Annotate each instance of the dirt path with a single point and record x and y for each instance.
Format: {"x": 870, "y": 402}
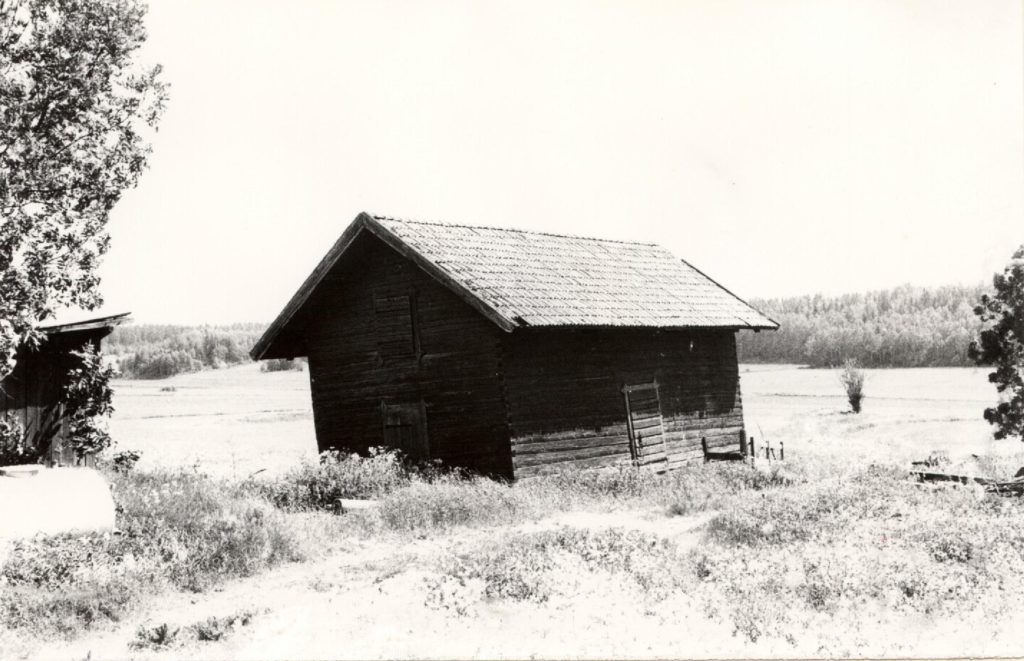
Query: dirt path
{"x": 367, "y": 600}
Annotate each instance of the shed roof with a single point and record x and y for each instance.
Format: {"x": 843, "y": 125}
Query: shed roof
{"x": 68, "y": 324}
{"x": 523, "y": 279}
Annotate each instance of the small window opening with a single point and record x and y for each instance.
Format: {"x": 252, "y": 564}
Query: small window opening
{"x": 395, "y": 326}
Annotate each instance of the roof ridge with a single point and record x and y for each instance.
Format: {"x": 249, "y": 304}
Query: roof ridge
{"x": 516, "y": 230}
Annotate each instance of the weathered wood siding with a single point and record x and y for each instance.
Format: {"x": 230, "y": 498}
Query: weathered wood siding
{"x": 359, "y": 363}
{"x": 31, "y": 395}
{"x": 565, "y": 400}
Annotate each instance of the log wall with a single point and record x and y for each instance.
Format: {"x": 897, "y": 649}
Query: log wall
{"x": 358, "y": 362}
{"x": 565, "y": 400}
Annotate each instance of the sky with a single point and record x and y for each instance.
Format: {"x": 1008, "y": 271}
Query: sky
{"x": 785, "y": 147}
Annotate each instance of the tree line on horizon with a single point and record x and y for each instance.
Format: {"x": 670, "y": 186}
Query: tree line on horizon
{"x": 907, "y": 326}
{"x": 157, "y": 351}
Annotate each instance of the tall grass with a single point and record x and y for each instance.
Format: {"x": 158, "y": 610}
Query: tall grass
{"x": 178, "y": 530}
{"x": 338, "y": 475}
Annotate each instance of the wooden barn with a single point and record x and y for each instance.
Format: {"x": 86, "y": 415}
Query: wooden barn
{"x": 31, "y": 394}
{"x": 514, "y": 352}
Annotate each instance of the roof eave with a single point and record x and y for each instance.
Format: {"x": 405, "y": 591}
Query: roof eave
{"x": 730, "y": 293}
{"x": 89, "y": 324}
{"x": 689, "y": 327}
{"x": 306, "y": 289}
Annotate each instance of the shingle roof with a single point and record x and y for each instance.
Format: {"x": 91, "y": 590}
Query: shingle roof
{"x": 520, "y": 279}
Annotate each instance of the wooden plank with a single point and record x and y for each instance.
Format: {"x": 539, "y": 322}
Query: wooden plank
{"x": 621, "y": 449}
{"x": 568, "y": 444}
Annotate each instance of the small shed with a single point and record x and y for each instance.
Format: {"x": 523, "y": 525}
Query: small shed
{"x": 32, "y": 393}
{"x": 512, "y": 352}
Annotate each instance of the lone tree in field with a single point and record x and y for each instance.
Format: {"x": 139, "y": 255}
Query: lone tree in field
{"x": 75, "y": 111}
{"x": 1001, "y": 344}
{"x": 852, "y": 378}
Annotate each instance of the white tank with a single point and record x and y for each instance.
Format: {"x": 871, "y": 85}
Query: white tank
{"x": 35, "y": 499}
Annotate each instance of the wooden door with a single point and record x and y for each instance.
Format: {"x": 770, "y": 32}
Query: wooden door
{"x": 645, "y": 424}
{"x": 405, "y": 428}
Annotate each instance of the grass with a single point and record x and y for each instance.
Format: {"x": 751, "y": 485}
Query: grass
{"x": 786, "y": 551}
{"x": 187, "y": 531}
{"x": 872, "y": 544}
{"x": 783, "y": 547}
{"x": 780, "y": 554}
{"x": 179, "y": 530}
{"x": 424, "y": 501}
{"x": 537, "y": 566}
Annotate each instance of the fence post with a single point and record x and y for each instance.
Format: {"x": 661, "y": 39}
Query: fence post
{"x": 782, "y": 451}
{"x": 704, "y": 447}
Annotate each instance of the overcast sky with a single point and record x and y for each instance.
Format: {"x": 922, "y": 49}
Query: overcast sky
{"x": 782, "y": 147}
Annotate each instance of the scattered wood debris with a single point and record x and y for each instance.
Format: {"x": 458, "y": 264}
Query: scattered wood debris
{"x": 1012, "y": 487}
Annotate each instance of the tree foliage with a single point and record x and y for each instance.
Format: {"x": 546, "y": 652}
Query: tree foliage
{"x": 76, "y": 111}
{"x": 87, "y": 399}
{"x": 155, "y": 351}
{"x": 902, "y": 327}
{"x": 13, "y": 449}
{"x": 1001, "y": 343}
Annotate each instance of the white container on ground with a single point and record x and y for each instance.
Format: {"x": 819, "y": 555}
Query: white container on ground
{"x": 39, "y": 500}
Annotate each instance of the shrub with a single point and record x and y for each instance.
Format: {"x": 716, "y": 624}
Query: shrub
{"x": 203, "y": 530}
{"x": 852, "y": 379}
{"x": 337, "y": 475}
{"x": 87, "y": 399}
{"x": 448, "y": 502}
{"x": 124, "y": 461}
{"x": 217, "y": 628}
{"x": 13, "y": 449}
{"x": 156, "y": 637}
{"x": 282, "y": 365}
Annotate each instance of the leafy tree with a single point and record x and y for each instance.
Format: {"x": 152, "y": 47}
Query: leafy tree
{"x": 1001, "y": 343}
{"x": 87, "y": 399}
{"x": 902, "y": 327}
{"x": 76, "y": 111}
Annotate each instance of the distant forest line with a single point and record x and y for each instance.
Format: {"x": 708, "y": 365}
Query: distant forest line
{"x": 150, "y": 351}
{"x": 903, "y": 327}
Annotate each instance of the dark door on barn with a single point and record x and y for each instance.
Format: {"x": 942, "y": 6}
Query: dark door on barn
{"x": 405, "y": 428}
{"x": 645, "y": 424}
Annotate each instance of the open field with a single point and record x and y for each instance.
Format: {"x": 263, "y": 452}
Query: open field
{"x": 830, "y": 553}
{"x": 239, "y": 420}
{"x": 907, "y": 414}
{"x": 231, "y": 422}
